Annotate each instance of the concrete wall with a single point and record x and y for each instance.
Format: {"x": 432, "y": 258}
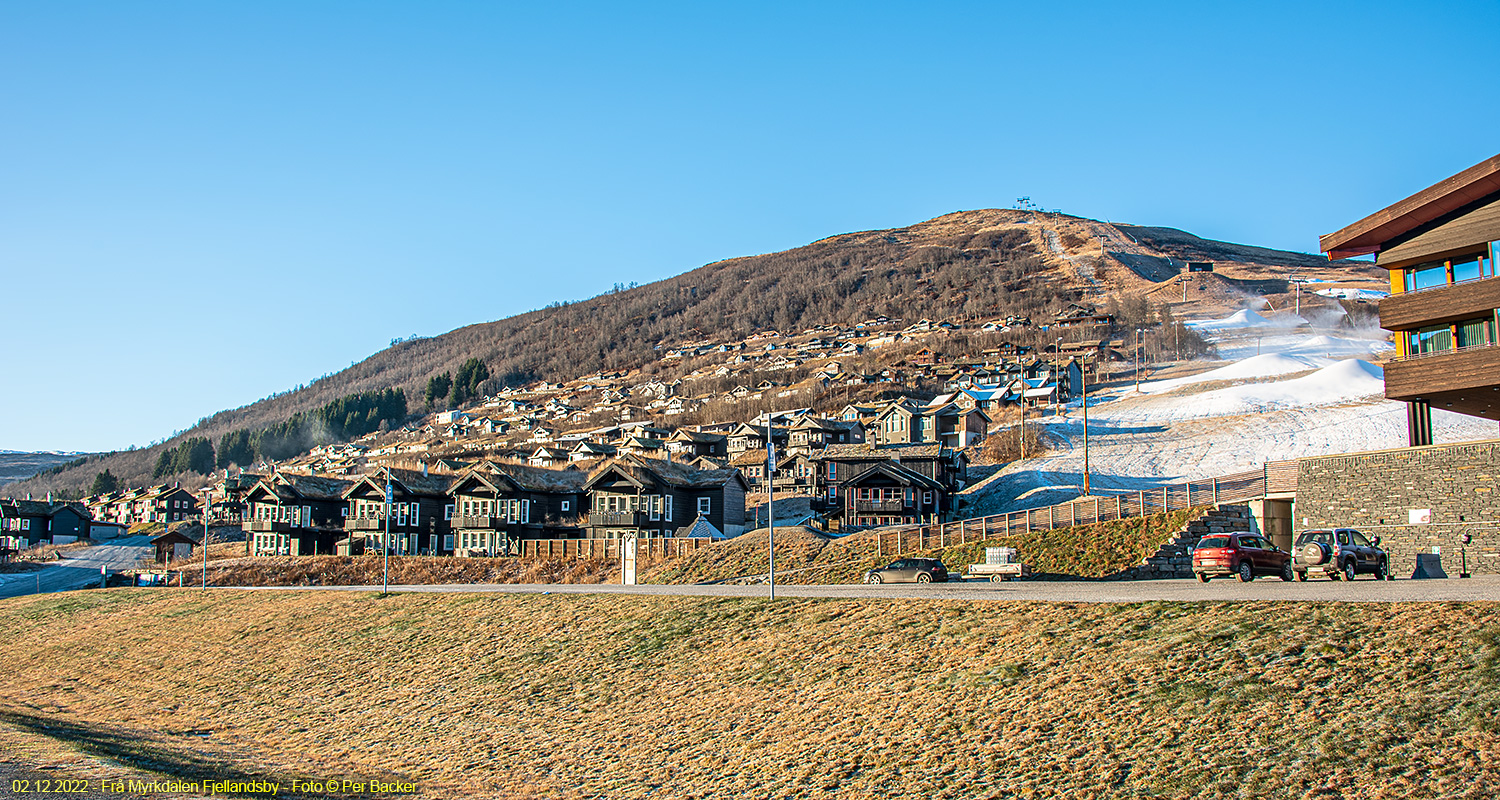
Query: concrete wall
{"x": 1375, "y": 492}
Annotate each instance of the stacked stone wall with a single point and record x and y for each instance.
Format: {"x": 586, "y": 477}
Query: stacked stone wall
{"x": 1375, "y": 493}
{"x": 1175, "y": 558}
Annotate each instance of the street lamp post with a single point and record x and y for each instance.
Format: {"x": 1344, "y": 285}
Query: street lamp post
{"x": 385, "y": 544}
{"x": 770, "y": 499}
{"x": 1084, "y": 373}
{"x": 206, "y": 508}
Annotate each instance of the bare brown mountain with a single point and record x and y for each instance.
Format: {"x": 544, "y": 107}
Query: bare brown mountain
{"x": 969, "y": 265}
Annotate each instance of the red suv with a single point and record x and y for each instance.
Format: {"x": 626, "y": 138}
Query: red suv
{"x": 1242, "y": 554}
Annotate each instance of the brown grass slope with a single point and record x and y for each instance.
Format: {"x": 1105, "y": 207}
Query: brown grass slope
{"x": 806, "y": 557}
{"x": 633, "y": 697}
{"x": 969, "y": 264}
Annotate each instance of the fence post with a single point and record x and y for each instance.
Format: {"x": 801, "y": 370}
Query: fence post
{"x": 1096, "y": 510}
{"x": 1142, "y": 502}
{"x": 1216, "y": 491}
{"x": 1118, "y": 513}
{"x": 1166, "y": 499}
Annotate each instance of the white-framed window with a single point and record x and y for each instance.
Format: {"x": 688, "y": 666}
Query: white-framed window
{"x": 567, "y": 505}
{"x": 655, "y": 508}
{"x": 667, "y": 511}
{"x": 705, "y": 504}
{"x": 25, "y": 524}
{"x": 344, "y": 512}
{"x": 927, "y": 498}
{"x": 448, "y": 511}
{"x": 525, "y": 511}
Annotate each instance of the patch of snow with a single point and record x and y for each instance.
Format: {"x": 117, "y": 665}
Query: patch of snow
{"x": 1266, "y": 365}
{"x": 1245, "y": 318}
{"x": 1353, "y": 294}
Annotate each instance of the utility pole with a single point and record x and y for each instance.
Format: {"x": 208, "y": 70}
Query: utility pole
{"x": 206, "y": 508}
{"x": 1085, "y": 382}
{"x": 1137, "y": 359}
{"x": 770, "y": 499}
{"x": 385, "y": 575}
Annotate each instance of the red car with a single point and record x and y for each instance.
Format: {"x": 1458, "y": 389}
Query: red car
{"x": 1243, "y": 554}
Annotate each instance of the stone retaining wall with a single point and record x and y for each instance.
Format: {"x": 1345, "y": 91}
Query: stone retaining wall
{"x": 1376, "y": 492}
{"x": 1175, "y": 558}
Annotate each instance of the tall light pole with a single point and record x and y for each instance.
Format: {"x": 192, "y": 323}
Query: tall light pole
{"x": 770, "y": 499}
{"x": 206, "y": 507}
{"x": 1084, "y": 374}
{"x": 385, "y": 544}
{"x": 1137, "y": 359}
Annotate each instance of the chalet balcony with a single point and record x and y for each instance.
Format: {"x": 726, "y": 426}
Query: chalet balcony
{"x": 1439, "y": 304}
{"x": 377, "y": 523}
{"x": 1462, "y": 380}
{"x": 882, "y": 507}
{"x": 480, "y": 522}
{"x": 622, "y": 519}
{"x": 265, "y": 526}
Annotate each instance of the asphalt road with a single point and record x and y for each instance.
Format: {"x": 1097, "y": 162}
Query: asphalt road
{"x": 1366, "y": 590}
{"x": 79, "y": 569}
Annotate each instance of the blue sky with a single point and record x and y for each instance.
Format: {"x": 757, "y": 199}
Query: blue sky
{"x": 205, "y": 203}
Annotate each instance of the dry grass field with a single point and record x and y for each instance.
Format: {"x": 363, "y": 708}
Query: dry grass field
{"x": 530, "y": 696}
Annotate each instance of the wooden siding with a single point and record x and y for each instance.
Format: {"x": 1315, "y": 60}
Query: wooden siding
{"x": 1468, "y": 379}
{"x": 1456, "y": 236}
{"x": 1412, "y": 310}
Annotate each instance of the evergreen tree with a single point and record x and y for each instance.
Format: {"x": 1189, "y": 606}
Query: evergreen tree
{"x": 104, "y": 483}
{"x": 438, "y": 387}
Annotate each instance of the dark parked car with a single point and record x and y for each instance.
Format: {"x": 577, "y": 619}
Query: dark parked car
{"x": 1243, "y": 554}
{"x": 1340, "y": 553}
{"x": 909, "y": 570}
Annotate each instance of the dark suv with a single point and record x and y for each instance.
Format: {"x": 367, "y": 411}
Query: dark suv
{"x": 1242, "y": 554}
{"x": 1340, "y": 553}
{"x": 909, "y": 570}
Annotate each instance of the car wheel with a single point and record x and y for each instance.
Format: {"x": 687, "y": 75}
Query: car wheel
{"x": 1349, "y": 570}
{"x": 872, "y": 578}
{"x": 1246, "y": 574}
{"x": 1286, "y": 572}
{"x": 1202, "y": 577}
{"x": 997, "y": 579}
{"x": 1382, "y": 570}
{"x": 923, "y": 577}
{"x": 1301, "y": 575}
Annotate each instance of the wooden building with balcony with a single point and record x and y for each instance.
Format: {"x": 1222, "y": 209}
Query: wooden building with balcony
{"x": 886, "y": 493}
{"x": 496, "y": 506}
{"x": 418, "y": 517}
{"x": 287, "y": 514}
{"x": 648, "y": 498}
{"x": 839, "y": 466}
{"x": 1441, "y": 247}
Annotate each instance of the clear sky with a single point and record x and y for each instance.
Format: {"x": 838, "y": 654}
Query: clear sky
{"x": 205, "y": 203}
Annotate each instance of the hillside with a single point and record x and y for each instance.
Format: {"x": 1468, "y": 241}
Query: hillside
{"x": 670, "y": 697}
{"x": 971, "y": 265}
{"x": 18, "y": 466}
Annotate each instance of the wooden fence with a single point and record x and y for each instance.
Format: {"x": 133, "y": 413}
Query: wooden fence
{"x": 646, "y": 549}
{"x": 1273, "y": 478}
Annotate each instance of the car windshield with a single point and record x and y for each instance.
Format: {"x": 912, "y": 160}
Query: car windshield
{"x": 1214, "y": 541}
{"x": 1322, "y": 537}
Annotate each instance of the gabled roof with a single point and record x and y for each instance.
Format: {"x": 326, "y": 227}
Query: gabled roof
{"x": 896, "y": 472}
{"x": 1370, "y": 234}
{"x": 643, "y": 471}
{"x": 409, "y": 481}
{"x": 700, "y": 529}
{"x": 502, "y": 478}
{"x": 865, "y": 451}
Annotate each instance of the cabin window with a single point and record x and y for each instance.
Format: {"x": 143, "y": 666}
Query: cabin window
{"x": 655, "y": 508}
{"x": 1432, "y": 339}
{"x": 525, "y": 511}
{"x": 667, "y": 503}
{"x": 567, "y": 505}
{"x": 448, "y": 511}
{"x": 705, "y": 504}
{"x": 927, "y": 498}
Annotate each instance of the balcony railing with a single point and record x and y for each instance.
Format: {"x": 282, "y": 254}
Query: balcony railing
{"x": 1448, "y": 352}
{"x": 266, "y": 526}
{"x": 629, "y": 519}
{"x": 480, "y": 522}
{"x": 377, "y": 523}
{"x": 882, "y": 506}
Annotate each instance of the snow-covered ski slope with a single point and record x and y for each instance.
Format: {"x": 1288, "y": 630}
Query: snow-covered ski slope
{"x": 1282, "y": 393}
